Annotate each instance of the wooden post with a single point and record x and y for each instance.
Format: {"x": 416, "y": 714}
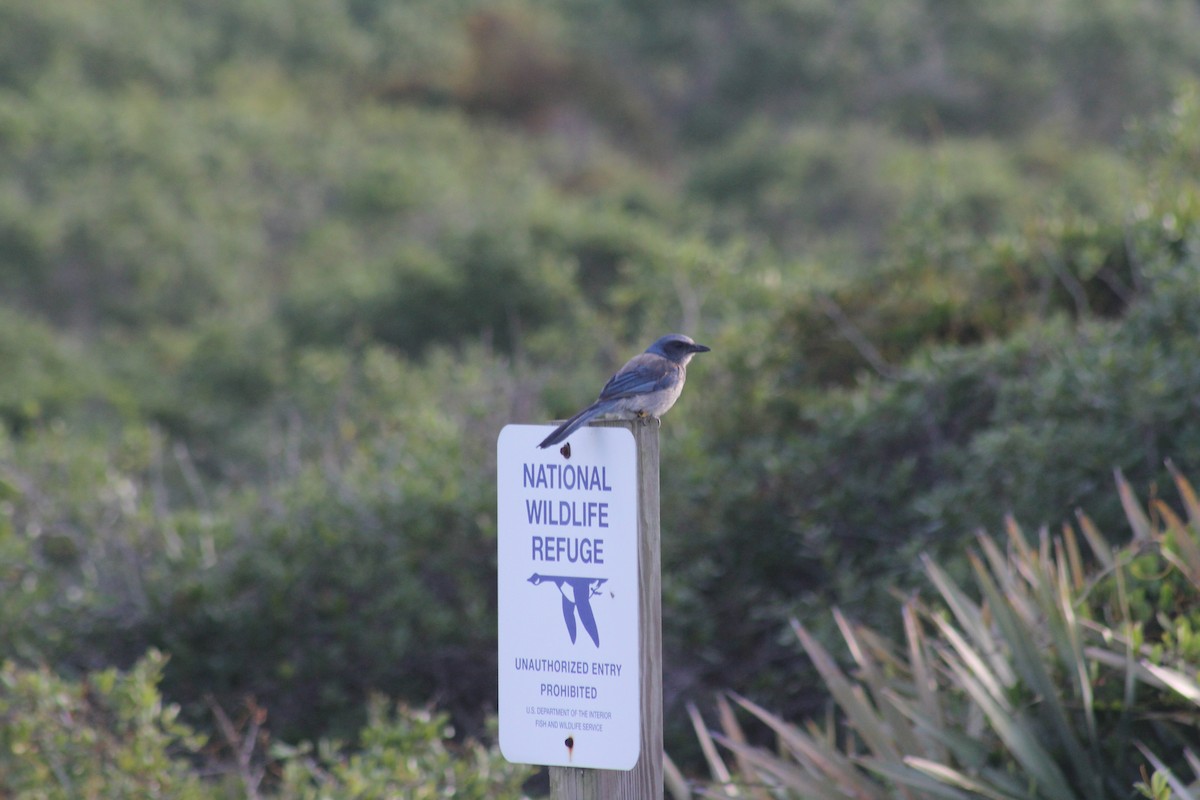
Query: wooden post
{"x": 645, "y": 780}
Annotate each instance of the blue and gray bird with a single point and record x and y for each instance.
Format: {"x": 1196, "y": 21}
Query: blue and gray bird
{"x": 647, "y": 386}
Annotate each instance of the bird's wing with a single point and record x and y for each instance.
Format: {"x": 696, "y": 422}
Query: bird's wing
{"x": 584, "y": 607}
{"x": 569, "y": 616}
{"x": 642, "y": 374}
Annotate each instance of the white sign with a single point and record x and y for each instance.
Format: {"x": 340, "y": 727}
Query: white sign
{"x": 567, "y": 575}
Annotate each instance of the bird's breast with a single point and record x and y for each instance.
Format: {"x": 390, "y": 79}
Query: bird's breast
{"x": 656, "y": 403}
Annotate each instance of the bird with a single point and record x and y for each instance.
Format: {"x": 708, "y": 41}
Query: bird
{"x": 647, "y": 386}
{"x": 577, "y": 594}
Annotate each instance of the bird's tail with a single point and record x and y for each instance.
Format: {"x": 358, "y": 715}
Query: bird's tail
{"x": 574, "y": 423}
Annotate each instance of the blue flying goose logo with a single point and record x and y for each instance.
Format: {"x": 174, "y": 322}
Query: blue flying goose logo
{"x": 577, "y": 594}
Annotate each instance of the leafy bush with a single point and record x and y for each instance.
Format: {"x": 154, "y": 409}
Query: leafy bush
{"x": 917, "y": 66}
{"x": 46, "y": 377}
{"x": 408, "y": 754}
{"x": 842, "y": 489}
{"x": 110, "y": 736}
{"x": 1047, "y": 679}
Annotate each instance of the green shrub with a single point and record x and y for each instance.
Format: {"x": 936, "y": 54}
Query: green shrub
{"x": 842, "y": 489}
{"x": 406, "y": 753}
{"x": 108, "y": 737}
{"x": 1049, "y": 678}
{"x": 366, "y": 564}
{"x": 45, "y": 376}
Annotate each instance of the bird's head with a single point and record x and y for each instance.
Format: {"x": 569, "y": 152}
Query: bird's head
{"x": 535, "y": 579}
{"x": 677, "y": 348}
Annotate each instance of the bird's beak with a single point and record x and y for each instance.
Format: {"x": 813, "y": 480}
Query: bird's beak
{"x": 699, "y": 348}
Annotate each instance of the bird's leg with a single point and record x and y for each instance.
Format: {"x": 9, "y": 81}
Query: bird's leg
{"x": 644, "y": 418}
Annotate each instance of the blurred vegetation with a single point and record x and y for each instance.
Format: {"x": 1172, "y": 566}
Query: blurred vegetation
{"x": 274, "y": 275}
{"x": 110, "y": 736}
{"x": 107, "y": 736}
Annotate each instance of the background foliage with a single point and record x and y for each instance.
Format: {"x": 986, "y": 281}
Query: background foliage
{"x": 273, "y": 276}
